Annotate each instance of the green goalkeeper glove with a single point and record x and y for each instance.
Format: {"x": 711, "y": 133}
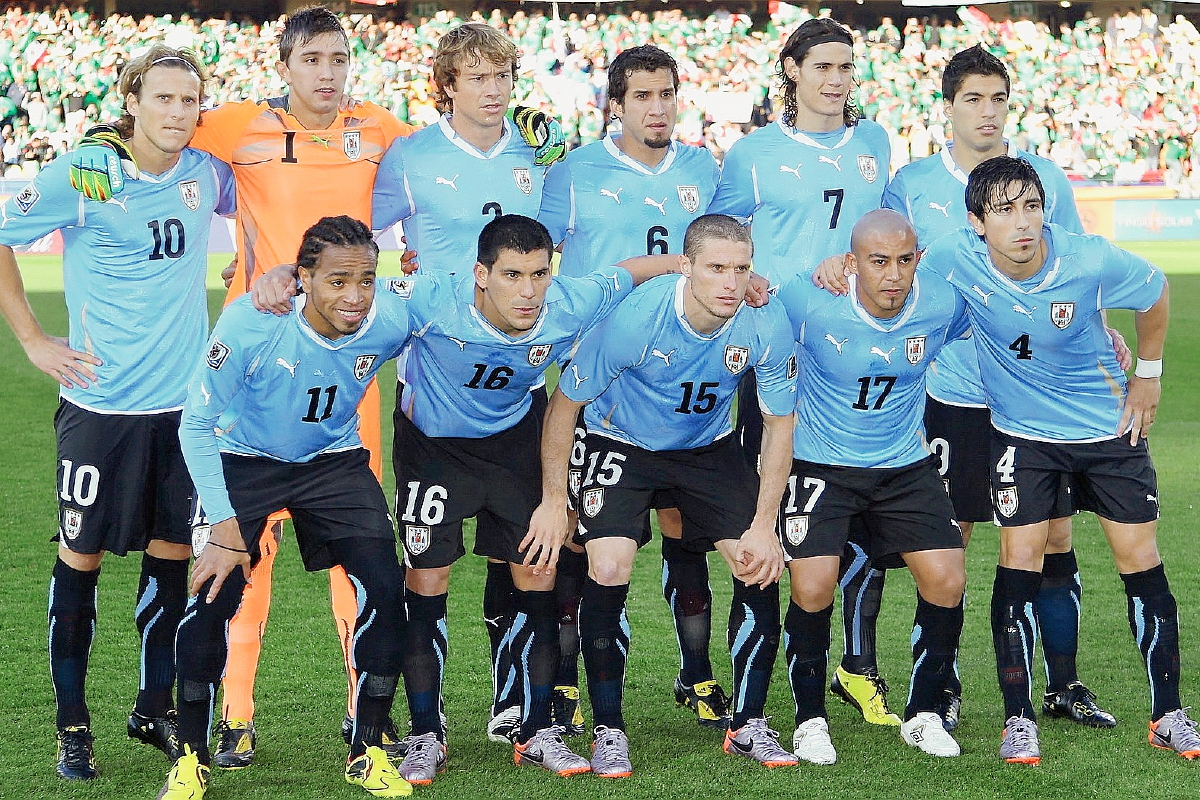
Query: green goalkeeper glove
{"x": 542, "y": 133}
{"x": 100, "y": 163}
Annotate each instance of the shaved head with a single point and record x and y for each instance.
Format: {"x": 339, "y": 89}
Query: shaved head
{"x": 883, "y": 254}
{"x": 881, "y": 222}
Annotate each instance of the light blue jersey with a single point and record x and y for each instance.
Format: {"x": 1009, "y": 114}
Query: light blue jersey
{"x": 273, "y": 387}
{"x": 932, "y": 194}
{"x": 862, "y": 388}
{"x": 804, "y": 192}
{"x": 1049, "y": 371}
{"x": 652, "y": 381}
{"x": 605, "y": 206}
{"x": 464, "y": 377}
{"x": 445, "y": 190}
{"x": 133, "y": 275}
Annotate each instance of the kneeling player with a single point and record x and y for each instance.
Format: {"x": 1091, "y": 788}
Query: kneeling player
{"x": 271, "y": 423}
{"x": 859, "y": 450}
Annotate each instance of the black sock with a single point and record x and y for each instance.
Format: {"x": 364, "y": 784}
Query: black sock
{"x": 936, "y": 631}
{"x": 1154, "y": 620}
{"x": 1014, "y": 636}
{"x": 753, "y": 639}
{"x": 498, "y": 610}
{"x": 568, "y": 588}
{"x": 1058, "y": 605}
{"x": 372, "y": 710}
{"x": 604, "y": 639}
{"x": 862, "y": 593}
{"x": 686, "y": 590}
{"x": 425, "y": 660}
{"x": 535, "y": 651}
{"x": 72, "y": 620}
{"x": 806, "y": 647}
{"x": 162, "y": 595}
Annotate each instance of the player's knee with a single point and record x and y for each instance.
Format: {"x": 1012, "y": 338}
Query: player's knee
{"x": 169, "y": 551}
{"x": 80, "y": 562}
{"x": 428, "y": 582}
{"x": 811, "y": 597}
{"x": 1059, "y": 539}
{"x": 610, "y": 571}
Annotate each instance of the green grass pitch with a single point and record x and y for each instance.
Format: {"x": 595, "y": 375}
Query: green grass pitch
{"x": 301, "y": 688}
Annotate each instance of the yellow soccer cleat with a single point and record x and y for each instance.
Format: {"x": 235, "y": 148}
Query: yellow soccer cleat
{"x": 707, "y": 699}
{"x": 187, "y": 780}
{"x": 867, "y": 693}
{"x": 377, "y": 775}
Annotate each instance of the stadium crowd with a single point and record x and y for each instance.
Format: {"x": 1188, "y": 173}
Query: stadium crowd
{"x": 1122, "y": 102}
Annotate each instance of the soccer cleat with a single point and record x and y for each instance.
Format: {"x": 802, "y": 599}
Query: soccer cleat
{"x": 235, "y": 744}
{"x": 375, "y": 773}
{"x": 392, "y": 743}
{"x": 1078, "y": 704}
{"x": 610, "y": 753}
{"x": 160, "y": 732}
{"x": 505, "y": 726}
{"x": 546, "y": 749}
{"x": 1020, "y": 745}
{"x": 424, "y": 757}
{"x": 707, "y": 699}
{"x": 811, "y": 742}
{"x": 926, "y": 731}
{"x": 755, "y": 740}
{"x": 565, "y": 712}
{"x": 1174, "y": 731}
{"x": 867, "y": 693}
{"x": 187, "y": 780}
{"x": 949, "y": 705}
{"x": 76, "y": 758}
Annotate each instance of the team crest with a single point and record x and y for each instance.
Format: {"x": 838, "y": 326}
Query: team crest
{"x": 538, "y": 354}
{"x": 689, "y": 198}
{"x": 352, "y": 144}
{"x": 27, "y": 198}
{"x": 1006, "y": 501}
{"x": 416, "y": 539}
{"x": 401, "y": 286}
{"x": 593, "y": 501}
{"x": 1061, "y": 314}
{"x": 524, "y": 180}
{"x": 200, "y": 534}
{"x": 362, "y": 366}
{"x": 736, "y": 358}
{"x": 216, "y": 355}
{"x": 574, "y": 481}
{"x": 72, "y": 523}
{"x": 190, "y": 192}
{"x": 914, "y": 349}
{"x": 796, "y": 530}
{"x": 867, "y": 168}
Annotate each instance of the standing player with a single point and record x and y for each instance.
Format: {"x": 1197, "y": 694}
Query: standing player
{"x": 134, "y": 280}
{"x": 658, "y": 377}
{"x": 597, "y": 204}
{"x": 805, "y": 181}
{"x": 859, "y": 450}
{"x": 271, "y": 422}
{"x": 1061, "y": 410}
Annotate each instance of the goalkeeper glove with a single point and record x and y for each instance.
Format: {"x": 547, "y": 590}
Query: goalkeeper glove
{"x": 542, "y": 133}
{"x": 100, "y": 163}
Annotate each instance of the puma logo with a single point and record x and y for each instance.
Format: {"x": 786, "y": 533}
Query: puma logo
{"x": 575, "y": 374}
{"x": 659, "y": 206}
{"x": 1022, "y": 310}
{"x": 944, "y": 209}
{"x": 827, "y": 160}
{"x": 796, "y": 171}
{"x": 982, "y": 293}
{"x": 461, "y": 344}
{"x": 666, "y": 357}
{"x": 291, "y": 368}
{"x": 875, "y": 351}
{"x": 207, "y": 394}
{"x": 440, "y": 181}
{"x": 829, "y": 338}
{"x": 614, "y": 195}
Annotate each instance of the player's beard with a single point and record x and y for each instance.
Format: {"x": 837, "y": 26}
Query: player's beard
{"x": 657, "y": 142}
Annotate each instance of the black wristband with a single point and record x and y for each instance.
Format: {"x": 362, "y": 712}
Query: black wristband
{"x": 223, "y": 547}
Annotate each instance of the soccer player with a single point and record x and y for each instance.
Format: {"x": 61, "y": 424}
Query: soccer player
{"x": 658, "y": 378}
{"x": 270, "y": 423}
{"x": 805, "y": 180}
{"x": 1061, "y": 409}
{"x": 859, "y": 450}
{"x": 134, "y": 279}
{"x": 597, "y": 204}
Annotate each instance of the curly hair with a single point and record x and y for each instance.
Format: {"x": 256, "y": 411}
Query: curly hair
{"x": 809, "y": 35}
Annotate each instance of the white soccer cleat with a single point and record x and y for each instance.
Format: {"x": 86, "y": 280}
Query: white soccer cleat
{"x": 811, "y": 742}
{"x": 926, "y": 733}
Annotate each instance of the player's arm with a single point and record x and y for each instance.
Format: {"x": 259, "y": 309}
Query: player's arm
{"x": 548, "y": 525}
{"x": 50, "y": 354}
{"x": 758, "y": 551}
{"x": 737, "y": 192}
{"x": 1145, "y": 387}
{"x": 390, "y": 201}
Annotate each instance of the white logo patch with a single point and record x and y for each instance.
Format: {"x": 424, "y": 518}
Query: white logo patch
{"x": 875, "y": 351}
{"x": 291, "y": 368}
{"x": 538, "y": 354}
{"x": 614, "y": 195}
{"x": 944, "y": 209}
{"x": 440, "y": 181}
{"x": 216, "y": 354}
{"x": 796, "y": 171}
{"x": 1006, "y": 501}
{"x": 416, "y": 539}
{"x": 796, "y": 530}
{"x": 200, "y": 534}
{"x": 593, "y": 501}
{"x": 836, "y": 162}
{"x": 352, "y": 144}
{"x": 523, "y": 179}
{"x": 659, "y": 204}
{"x": 574, "y": 480}
{"x": 27, "y": 198}
{"x": 736, "y": 358}
{"x": 867, "y": 168}
{"x": 914, "y": 349}
{"x": 190, "y": 192}
{"x": 1061, "y": 314}
{"x": 362, "y": 365}
{"x": 72, "y": 523}
{"x": 689, "y": 198}
{"x": 829, "y": 338}
{"x": 402, "y": 287}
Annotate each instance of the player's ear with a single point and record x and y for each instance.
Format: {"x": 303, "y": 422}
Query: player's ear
{"x": 851, "y": 264}
{"x": 976, "y": 223}
{"x": 305, "y": 276}
{"x": 791, "y": 69}
{"x": 482, "y": 273}
{"x": 131, "y": 104}
{"x": 685, "y": 266}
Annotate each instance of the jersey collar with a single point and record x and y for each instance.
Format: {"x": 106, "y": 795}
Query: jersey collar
{"x": 610, "y": 145}
{"x": 953, "y": 168}
{"x": 683, "y": 320}
{"x": 805, "y": 139}
{"x": 886, "y": 325}
{"x": 330, "y": 344}
{"x": 470, "y": 149}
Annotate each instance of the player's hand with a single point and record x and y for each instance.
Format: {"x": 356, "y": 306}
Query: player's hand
{"x": 760, "y": 556}
{"x": 758, "y": 291}
{"x": 274, "y": 291}
{"x": 1141, "y": 404}
{"x": 542, "y": 133}
{"x": 547, "y": 533}
{"x": 228, "y": 273}
{"x": 224, "y": 552}
{"x": 408, "y": 262}
{"x": 71, "y": 368}
{"x": 1124, "y": 354}
{"x": 831, "y": 275}
{"x": 100, "y": 162}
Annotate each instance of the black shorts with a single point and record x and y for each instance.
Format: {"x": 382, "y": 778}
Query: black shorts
{"x": 1110, "y": 477}
{"x": 905, "y": 509}
{"x": 958, "y": 436}
{"x": 441, "y": 481}
{"x": 334, "y": 496}
{"x": 712, "y": 486}
{"x": 122, "y": 481}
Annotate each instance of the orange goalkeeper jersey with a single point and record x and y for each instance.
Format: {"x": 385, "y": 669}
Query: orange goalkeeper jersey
{"x": 288, "y": 177}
